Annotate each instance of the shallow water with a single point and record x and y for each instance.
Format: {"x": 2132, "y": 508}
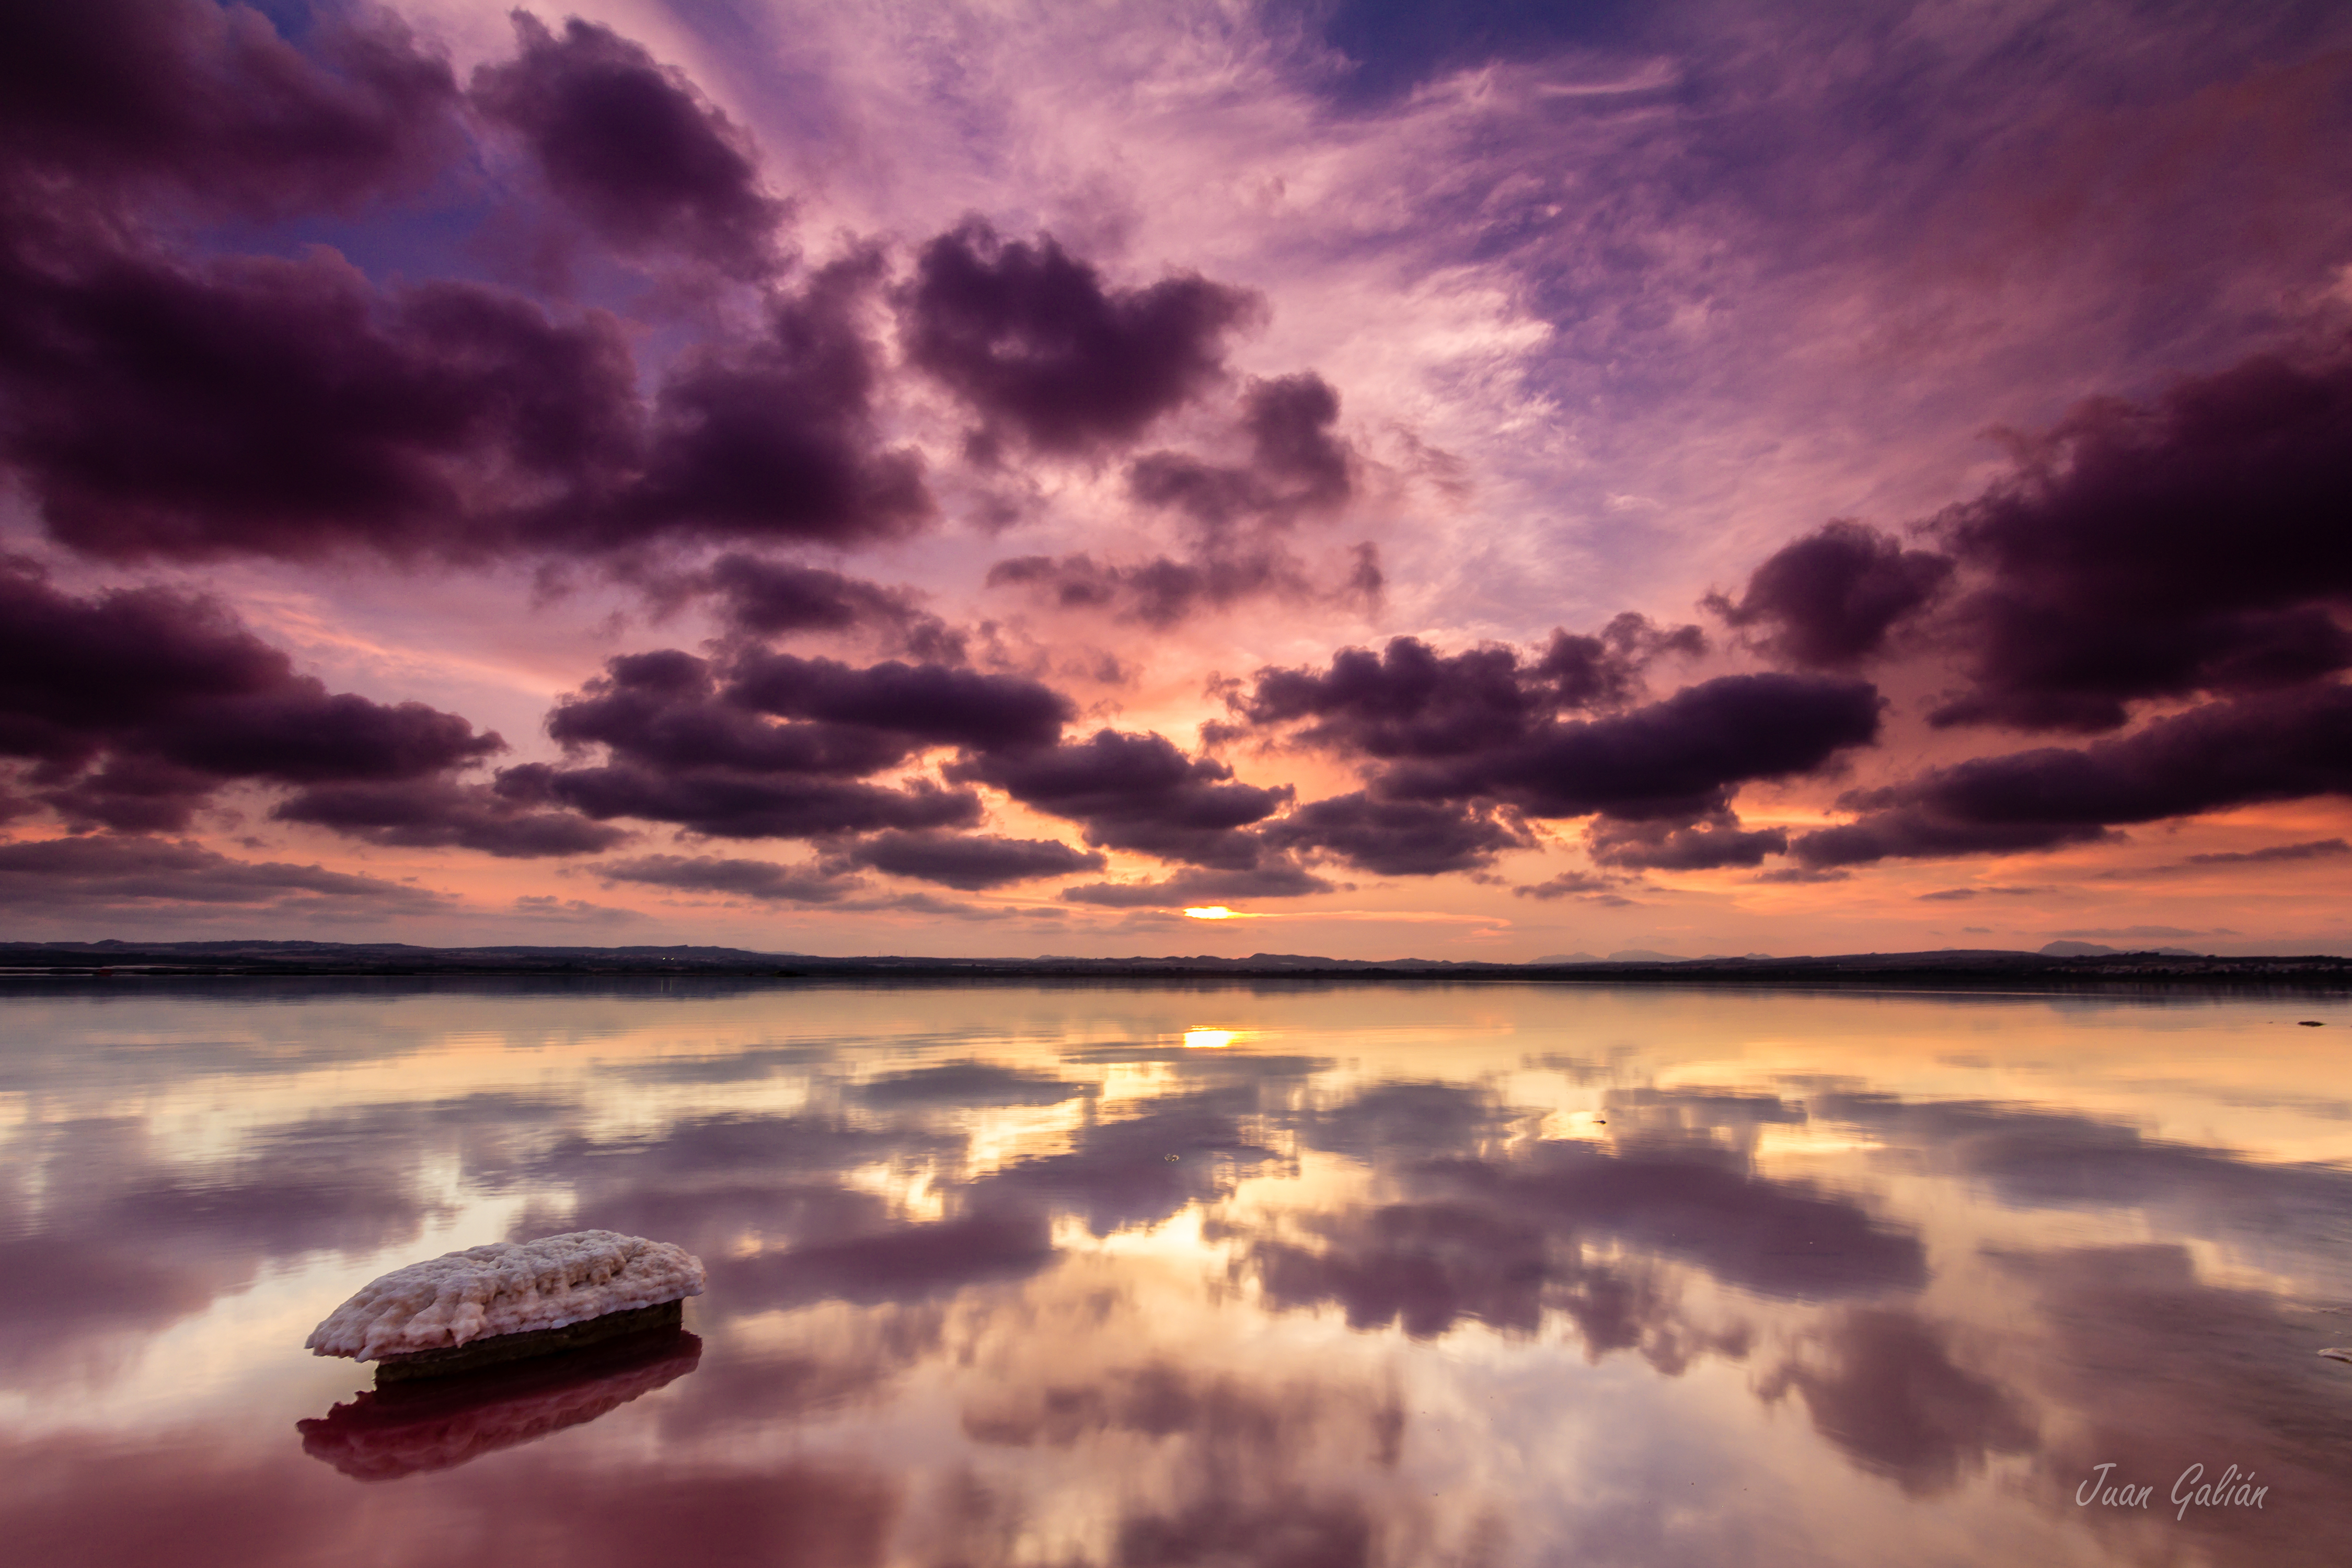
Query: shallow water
{"x": 1295, "y": 1275}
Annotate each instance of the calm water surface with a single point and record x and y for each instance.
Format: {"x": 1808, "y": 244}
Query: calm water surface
{"x": 1190, "y": 1275}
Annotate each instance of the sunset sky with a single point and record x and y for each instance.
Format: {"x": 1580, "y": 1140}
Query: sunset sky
{"x": 1466, "y": 480}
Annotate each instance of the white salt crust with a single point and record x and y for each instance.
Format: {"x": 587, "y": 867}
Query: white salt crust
{"x": 506, "y": 1287}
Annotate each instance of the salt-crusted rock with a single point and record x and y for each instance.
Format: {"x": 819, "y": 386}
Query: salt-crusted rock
{"x": 506, "y": 1287}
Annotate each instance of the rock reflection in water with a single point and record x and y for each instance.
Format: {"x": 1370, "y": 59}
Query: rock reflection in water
{"x": 404, "y": 1430}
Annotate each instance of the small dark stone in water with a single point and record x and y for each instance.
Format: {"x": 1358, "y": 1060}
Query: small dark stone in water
{"x": 2310, "y": 1023}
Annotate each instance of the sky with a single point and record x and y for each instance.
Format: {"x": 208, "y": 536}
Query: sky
{"x": 1487, "y": 481}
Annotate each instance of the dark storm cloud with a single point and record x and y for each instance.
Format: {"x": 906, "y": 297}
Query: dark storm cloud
{"x": 131, "y": 872}
{"x": 2191, "y": 544}
{"x": 933, "y": 704}
{"x": 290, "y": 408}
{"x": 132, "y": 708}
{"x": 729, "y": 803}
{"x": 1828, "y": 600}
{"x": 2138, "y": 552}
{"x": 1296, "y": 464}
{"x": 209, "y": 102}
{"x": 668, "y": 711}
{"x": 763, "y": 598}
{"x": 1707, "y": 844}
{"x": 438, "y": 814}
{"x": 971, "y": 863}
{"x": 771, "y": 438}
{"x": 1034, "y": 342}
{"x": 691, "y": 741}
{"x": 2271, "y": 746}
{"x": 1883, "y": 1384}
{"x": 763, "y": 880}
{"x": 631, "y": 147}
{"x": 1452, "y": 737}
{"x": 1412, "y": 701}
{"x": 1137, "y": 791}
{"x": 1397, "y": 838}
{"x": 1680, "y": 758}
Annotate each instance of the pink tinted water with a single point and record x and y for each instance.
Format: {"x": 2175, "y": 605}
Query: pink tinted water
{"x": 1295, "y": 1275}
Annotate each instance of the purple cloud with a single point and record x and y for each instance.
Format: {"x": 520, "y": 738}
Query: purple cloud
{"x": 131, "y": 872}
{"x": 632, "y": 146}
{"x": 1137, "y": 791}
{"x": 2273, "y": 746}
{"x": 1034, "y": 342}
{"x": 132, "y": 709}
{"x": 2107, "y": 578}
{"x": 1830, "y": 598}
{"x": 970, "y": 862}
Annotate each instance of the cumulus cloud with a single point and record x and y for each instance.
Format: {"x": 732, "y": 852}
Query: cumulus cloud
{"x": 129, "y": 872}
{"x": 1828, "y": 600}
{"x": 1410, "y": 700}
{"x": 632, "y": 146}
{"x": 294, "y": 406}
{"x": 758, "y": 597}
{"x": 2161, "y": 549}
{"x": 693, "y": 741}
{"x": 970, "y": 862}
{"x": 442, "y": 813}
{"x": 210, "y": 103}
{"x": 2270, "y": 746}
{"x": 1679, "y": 758}
{"x": 769, "y": 438}
{"x": 1041, "y": 348}
{"x": 1137, "y": 791}
{"x": 1714, "y": 841}
{"x": 1400, "y": 838}
{"x": 1457, "y": 746}
{"x": 2091, "y": 578}
{"x": 132, "y": 707}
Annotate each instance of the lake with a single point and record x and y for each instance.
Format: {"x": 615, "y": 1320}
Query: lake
{"x": 1282, "y": 1274}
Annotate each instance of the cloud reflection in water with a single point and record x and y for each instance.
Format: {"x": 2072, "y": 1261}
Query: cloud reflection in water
{"x": 1385, "y": 1280}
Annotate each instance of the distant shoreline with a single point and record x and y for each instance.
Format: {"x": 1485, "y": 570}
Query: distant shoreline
{"x": 1951, "y": 968}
